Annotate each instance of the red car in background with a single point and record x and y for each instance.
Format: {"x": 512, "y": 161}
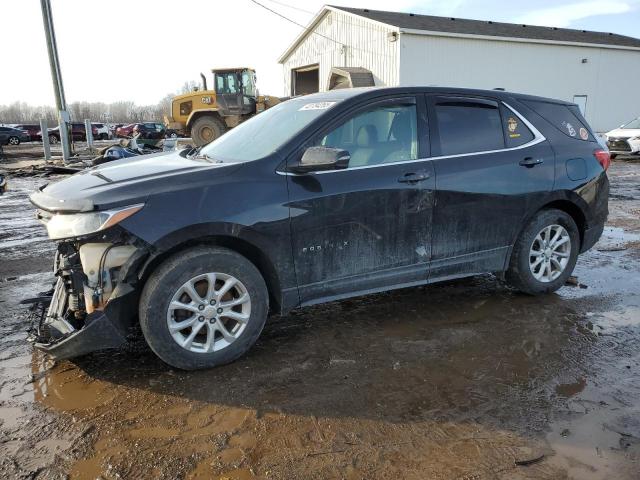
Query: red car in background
{"x": 31, "y": 129}
{"x": 125, "y": 131}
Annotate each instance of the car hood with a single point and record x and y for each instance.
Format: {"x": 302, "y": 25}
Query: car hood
{"x": 128, "y": 181}
{"x": 623, "y": 132}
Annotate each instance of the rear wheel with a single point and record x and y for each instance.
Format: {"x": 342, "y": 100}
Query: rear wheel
{"x": 203, "y": 307}
{"x": 613, "y": 155}
{"x": 545, "y": 254}
{"x": 14, "y": 141}
{"x": 104, "y": 136}
{"x": 206, "y": 129}
{"x": 53, "y": 139}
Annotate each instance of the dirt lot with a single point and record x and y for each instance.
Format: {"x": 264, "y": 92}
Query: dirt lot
{"x": 464, "y": 380}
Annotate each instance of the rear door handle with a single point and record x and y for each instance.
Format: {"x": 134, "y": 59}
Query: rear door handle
{"x": 413, "y": 177}
{"x": 530, "y": 162}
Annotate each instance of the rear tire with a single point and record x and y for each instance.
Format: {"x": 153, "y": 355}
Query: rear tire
{"x": 213, "y": 332}
{"x": 104, "y": 136}
{"x": 613, "y": 155}
{"x": 53, "y": 139}
{"x": 206, "y": 129}
{"x": 545, "y": 254}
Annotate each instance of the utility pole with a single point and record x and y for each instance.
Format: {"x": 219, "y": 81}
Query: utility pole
{"x": 56, "y": 76}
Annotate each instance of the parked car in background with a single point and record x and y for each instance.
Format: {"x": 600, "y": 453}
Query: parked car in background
{"x": 13, "y": 136}
{"x": 101, "y": 131}
{"x": 625, "y": 140}
{"x": 32, "y": 129}
{"x": 319, "y": 198}
{"x": 125, "y": 131}
{"x": 149, "y": 130}
{"x": 77, "y": 130}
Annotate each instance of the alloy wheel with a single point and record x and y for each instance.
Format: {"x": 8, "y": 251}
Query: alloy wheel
{"x": 549, "y": 253}
{"x": 209, "y": 312}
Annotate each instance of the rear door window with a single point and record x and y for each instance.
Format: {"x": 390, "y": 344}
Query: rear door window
{"x": 566, "y": 118}
{"x": 466, "y": 125}
{"x": 516, "y": 133}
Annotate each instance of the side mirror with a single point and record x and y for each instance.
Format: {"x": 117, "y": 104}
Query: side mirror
{"x": 317, "y": 159}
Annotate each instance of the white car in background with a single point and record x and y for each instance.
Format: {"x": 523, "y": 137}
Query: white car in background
{"x": 103, "y": 131}
{"x": 624, "y": 140}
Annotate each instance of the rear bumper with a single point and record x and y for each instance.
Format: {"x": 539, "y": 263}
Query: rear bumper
{"x": 591, "y": 236}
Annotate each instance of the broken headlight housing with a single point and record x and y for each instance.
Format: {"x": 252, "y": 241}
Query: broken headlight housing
{"x": 71, "y": 225}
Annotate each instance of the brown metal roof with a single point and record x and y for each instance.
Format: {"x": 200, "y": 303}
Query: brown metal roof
{"x": 491, "y": 29}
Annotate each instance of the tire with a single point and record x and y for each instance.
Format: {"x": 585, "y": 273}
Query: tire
{"x": 206, "y": 129}
{"x": 165, "y": 287}
{"x": 613, "y": 155}
{"x": 14, "y": 141}
{"x": 521, "y": 275}
{"x": 104, "y": 136}
{"x": 53, "y": 139}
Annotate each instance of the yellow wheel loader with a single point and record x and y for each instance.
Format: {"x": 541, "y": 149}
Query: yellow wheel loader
{"x": 206, "y": 114}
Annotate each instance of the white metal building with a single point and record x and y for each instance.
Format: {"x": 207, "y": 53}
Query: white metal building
{"x": 598, "y": 71}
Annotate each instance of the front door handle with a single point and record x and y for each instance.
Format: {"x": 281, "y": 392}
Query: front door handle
{"x": 413, "y": 177}
{"x": 530, "y": 162}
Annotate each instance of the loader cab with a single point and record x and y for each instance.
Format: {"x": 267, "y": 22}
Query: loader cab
{"x": 235, "y": 90}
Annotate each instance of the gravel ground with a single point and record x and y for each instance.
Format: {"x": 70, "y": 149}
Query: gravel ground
{"x": 462, "y": 380}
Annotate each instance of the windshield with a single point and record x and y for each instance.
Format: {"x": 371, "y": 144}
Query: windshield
{"x": 266, "y": 132}
{"x": 633, "y": 124}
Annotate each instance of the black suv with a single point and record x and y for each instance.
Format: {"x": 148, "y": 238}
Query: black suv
{"x": 319, "y": 198}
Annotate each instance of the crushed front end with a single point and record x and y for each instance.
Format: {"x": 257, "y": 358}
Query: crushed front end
{"x": 95, "y": 297}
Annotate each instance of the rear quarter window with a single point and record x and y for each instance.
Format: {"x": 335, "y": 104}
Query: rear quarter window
{"x": 563, "y": 118}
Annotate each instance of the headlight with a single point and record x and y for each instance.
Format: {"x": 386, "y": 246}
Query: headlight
{"x": 78, "y": 224}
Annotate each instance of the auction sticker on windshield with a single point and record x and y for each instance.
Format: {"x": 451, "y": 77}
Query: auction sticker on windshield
{"x": 317, "y": 106}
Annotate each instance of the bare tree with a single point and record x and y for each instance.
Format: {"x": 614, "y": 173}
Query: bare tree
{"x": 124, "y": 111}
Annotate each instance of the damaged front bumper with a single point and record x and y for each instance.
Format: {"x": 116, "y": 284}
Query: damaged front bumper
{"x": 95, "y": 298}
{"x": 101, "y": 330}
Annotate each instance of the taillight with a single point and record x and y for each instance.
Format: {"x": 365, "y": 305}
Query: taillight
{"x": 603, "y": 157}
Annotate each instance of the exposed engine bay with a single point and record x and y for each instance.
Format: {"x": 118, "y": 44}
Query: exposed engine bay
{"x": 91, "y": 274}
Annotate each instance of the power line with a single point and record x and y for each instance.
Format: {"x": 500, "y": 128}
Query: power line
{"x": 293, "y": 7}
{"x": 294, "y": 22}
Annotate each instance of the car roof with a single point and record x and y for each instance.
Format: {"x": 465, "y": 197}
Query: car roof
{"x": 346, "y": 93}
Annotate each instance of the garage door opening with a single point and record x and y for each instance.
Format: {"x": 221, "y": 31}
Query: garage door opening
{"x": 305, "y": 80}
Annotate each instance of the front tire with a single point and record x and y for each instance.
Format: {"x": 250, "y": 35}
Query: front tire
{"x": 545, "y": 254}
{"x": 206, "y": 129}
{"x": 203, "y": 307}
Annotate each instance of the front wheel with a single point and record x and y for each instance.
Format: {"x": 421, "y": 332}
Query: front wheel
{"x": 14, "y": 141}
{"x": 53, "y": 139}
{"x": 203, "y": 307}
{"x": 545, "y": 254}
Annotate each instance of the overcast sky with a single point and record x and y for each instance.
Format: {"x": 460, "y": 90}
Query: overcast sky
{"x": 141, "y": 50}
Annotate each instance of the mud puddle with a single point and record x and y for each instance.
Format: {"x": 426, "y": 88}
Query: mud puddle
{"x": 459, "y": 380}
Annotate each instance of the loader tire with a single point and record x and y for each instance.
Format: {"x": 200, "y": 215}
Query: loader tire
{"x": 206, "y": 129}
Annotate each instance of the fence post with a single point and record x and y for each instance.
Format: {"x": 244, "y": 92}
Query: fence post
{"x": 44, "y": 130}
{"x": 89, "y": 133}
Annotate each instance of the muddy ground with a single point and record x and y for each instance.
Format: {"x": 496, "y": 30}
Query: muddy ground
{"x": 463, "y": 380}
